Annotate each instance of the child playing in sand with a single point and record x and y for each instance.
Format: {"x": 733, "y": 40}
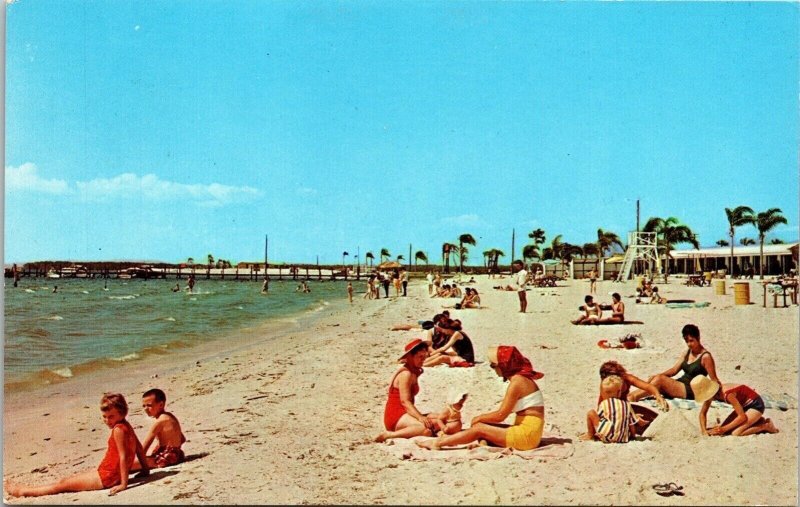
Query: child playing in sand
{"x": 123, "y": 447}
{"x": 747, "y": 417}
{"x": 614, "y": 420}
{"x": 448, "y": 421}
{"x": 166, "y": 429}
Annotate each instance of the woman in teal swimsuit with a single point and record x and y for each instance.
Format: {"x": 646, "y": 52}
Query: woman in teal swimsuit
{"x": 696, "y": 361}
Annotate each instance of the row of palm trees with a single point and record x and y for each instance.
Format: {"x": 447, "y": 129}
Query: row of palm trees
{"x": 669, "y": 233}
{"x": 764, "y": 222}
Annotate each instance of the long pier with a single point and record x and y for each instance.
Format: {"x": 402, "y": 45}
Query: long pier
{"x": 233, "y": 273}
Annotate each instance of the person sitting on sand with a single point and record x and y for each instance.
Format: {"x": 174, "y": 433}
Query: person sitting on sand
{"x": 166, "y": 429}
{"x": 644, "y": 414}
{"x": 523, "y": 397}
{"x": 456, "y": 351}
{"x": 747, "y": 417}
{"x": 455, "y": 291}
{"x": 592, "y": 313}
{"x": 471, "y": 299}
{"x": 123, "y": 447}
{"x": 401, "y": 418}
{"x": 656, "y": 298}
{"x": 448, "y": 421}
{"x": 614, "y": 421}
{"x": 696, "y": 361}
{"x": 617, "y": 311}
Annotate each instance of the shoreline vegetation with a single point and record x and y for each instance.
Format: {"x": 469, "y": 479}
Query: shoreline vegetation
{"x": 254, "y": 406}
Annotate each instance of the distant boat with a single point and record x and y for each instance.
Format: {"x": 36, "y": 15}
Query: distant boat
{"x": 52, "y": 273}
{"x": 74, "y": 272}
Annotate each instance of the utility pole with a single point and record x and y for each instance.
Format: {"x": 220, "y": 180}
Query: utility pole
{"x": 637, "y": 215}
{"x": 513, "y": 237}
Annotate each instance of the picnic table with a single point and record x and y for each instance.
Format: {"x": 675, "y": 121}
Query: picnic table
{"x": 785, "y": 287}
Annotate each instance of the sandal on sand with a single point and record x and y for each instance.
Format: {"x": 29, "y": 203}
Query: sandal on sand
{"x": 662, "y": 489}
{"x": 675, "y": 489}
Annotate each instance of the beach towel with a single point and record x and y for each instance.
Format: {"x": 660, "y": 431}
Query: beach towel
{"x": 551, "y": 447}
{"x": 701, "y": 304}
{"x": 783, "y": 402}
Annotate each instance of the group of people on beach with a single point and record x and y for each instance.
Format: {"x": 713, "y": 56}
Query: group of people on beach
{"x": 617, "y": 418}
{"x": 125, "y": 453}
{"x": 377, "y": 279}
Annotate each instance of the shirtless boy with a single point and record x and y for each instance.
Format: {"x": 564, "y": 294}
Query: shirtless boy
{"x": 166, "y": 429}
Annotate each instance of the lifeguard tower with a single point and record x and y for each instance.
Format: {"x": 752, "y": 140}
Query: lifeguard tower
{"x": 642, "y": 246}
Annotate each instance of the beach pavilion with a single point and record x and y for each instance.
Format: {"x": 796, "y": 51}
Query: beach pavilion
{"x": 778, "y": 259}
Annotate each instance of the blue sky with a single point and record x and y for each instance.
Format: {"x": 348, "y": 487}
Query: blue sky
{"x": 164, "y": 130}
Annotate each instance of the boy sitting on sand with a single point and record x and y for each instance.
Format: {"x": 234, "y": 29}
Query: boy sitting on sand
{"x": 166, "y": 429}
{"x": 614, "y": 421}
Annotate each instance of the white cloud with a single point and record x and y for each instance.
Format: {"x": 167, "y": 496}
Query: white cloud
{"x": 469, "y": 219}
{"x": 26, "y": 178}
{"x": 152, "y": 187}
{"x": 306, "y": 191}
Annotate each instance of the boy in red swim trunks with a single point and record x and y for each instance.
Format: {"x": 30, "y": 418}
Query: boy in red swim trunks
{"x": 167, "y": 430}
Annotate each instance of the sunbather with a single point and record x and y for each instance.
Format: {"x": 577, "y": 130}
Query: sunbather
{"x": 592, "y": 312}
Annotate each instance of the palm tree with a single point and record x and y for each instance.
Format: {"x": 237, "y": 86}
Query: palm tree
{"x": 210, "y": 260}
{"x": 400, "y": 258}
{"x": 448, "y": 249}
{"x": 672, "y": 232}
{"x": 420, "y": 256}
{"x": 606, "y": 241}
{"x": 722, "y": 242}
{"x": 190, "y": 261}
{"x": 740, "y": 215}
{"x": 344, "y": 254}
{"x": 494, "y": 257}
{"x": 370, "y": 257}
{"x": 554, "y": 250}
{"x": 385, "y": 253}
{"x": 530, "y": 252}
{"x": 486, "y": 256}
{"x": 765, "y": 222}
{"x": 777, "y": 241}
{"x": 747, "y": 241}
{"x": 591, "y": 249}
{"x": 537, "y": 235}
{"x": 568, "y": 250}
{"x": 464, "y": 239}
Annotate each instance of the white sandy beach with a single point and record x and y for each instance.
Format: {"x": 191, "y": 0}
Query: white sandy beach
{"x": 290, "y": 419}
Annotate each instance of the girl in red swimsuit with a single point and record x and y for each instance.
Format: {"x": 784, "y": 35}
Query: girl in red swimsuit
{"x": 113, "y": 470}
{"x": 401, "y": 418}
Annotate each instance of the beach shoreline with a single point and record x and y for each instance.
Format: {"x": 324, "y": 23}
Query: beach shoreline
{"x": 290, "y": 418}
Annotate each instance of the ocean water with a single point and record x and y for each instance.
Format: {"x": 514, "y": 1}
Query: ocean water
{"x": 92, "y": 324}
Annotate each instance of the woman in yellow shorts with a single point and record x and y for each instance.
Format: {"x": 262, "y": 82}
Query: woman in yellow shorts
{"x": 522, "y": 397}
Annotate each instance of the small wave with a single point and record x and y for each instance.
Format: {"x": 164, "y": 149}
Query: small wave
{"x": 240, "y": 307}
{"x": 30, "y": 291}
{"x": 192, "y": 299}
{"x": 35, "y": 332}
{"x": 170, "y": 319}
{"x": 84, "y": 292}
{"x": 62, "y": 372}
{"x": 129, "y": 296}
{"x": 54, "y": 317}
{"x": 127, "y": 357}
{"x": 200, "y": 293}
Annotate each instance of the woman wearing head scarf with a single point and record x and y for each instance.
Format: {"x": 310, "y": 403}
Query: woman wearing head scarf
{"x": 522, "y": 397}
{"x": 400, "y": 417}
